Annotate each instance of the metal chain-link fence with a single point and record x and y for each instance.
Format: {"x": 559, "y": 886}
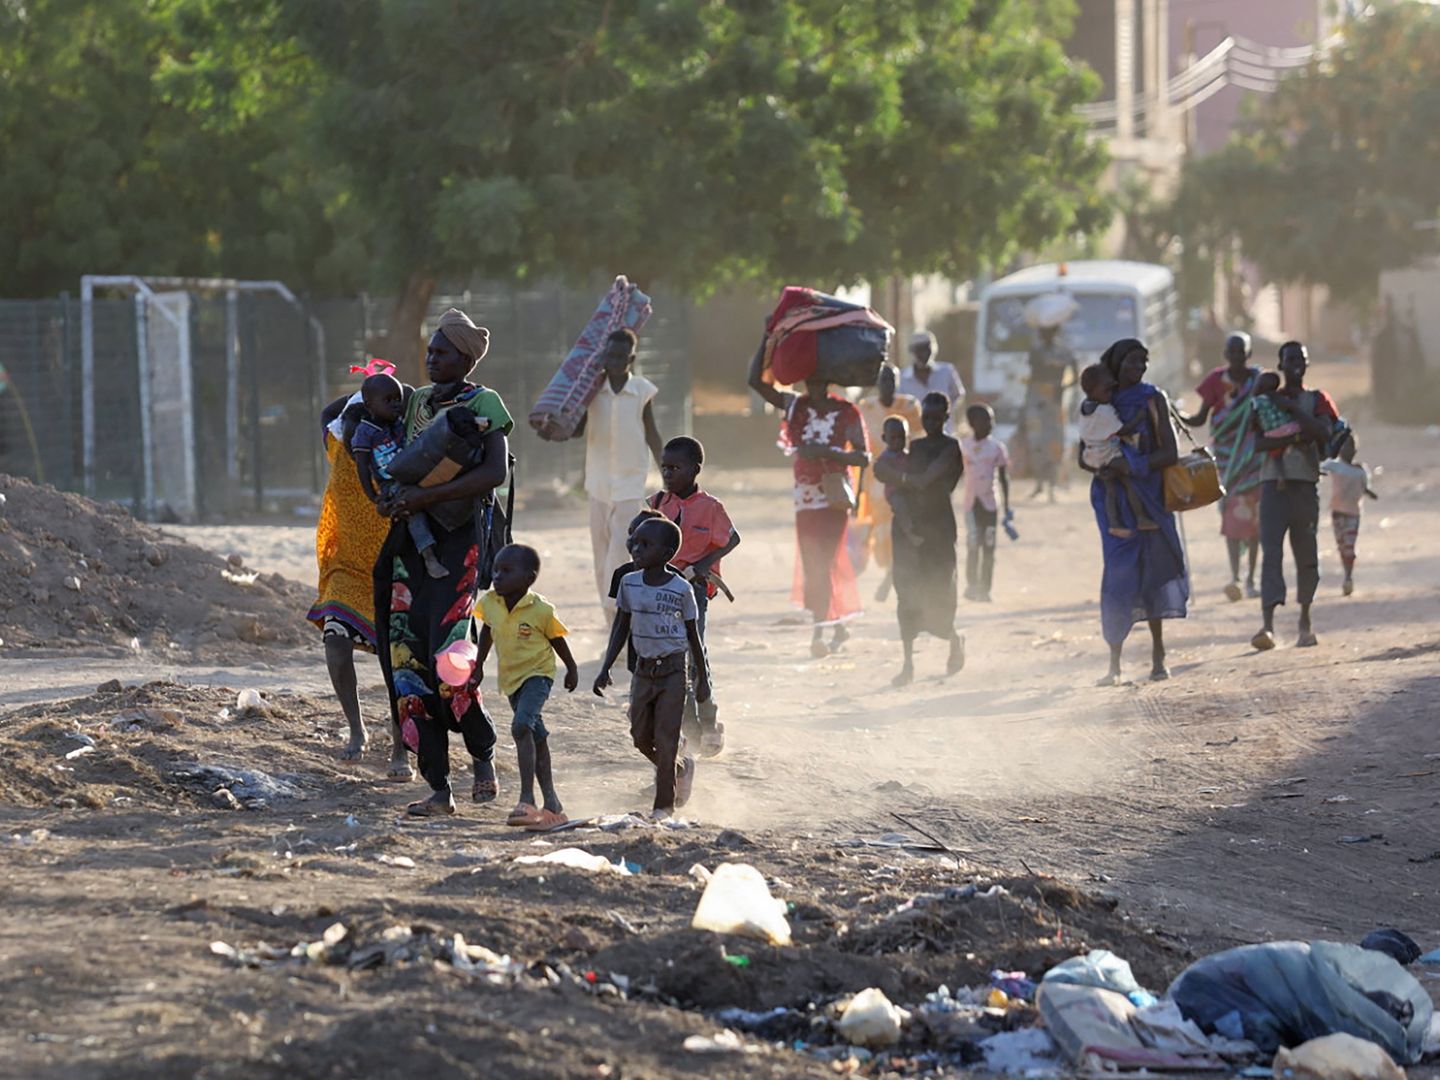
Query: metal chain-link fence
{"x": 204, "y": 403}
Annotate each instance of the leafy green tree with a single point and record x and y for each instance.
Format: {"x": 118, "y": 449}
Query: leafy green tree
{"x": 162, "y": 137}
{"x": 1332, "y": 179}
{"x": 699, "y": 141}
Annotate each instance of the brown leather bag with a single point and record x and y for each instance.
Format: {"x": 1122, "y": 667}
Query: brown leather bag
{"x": 1194, "y": 480}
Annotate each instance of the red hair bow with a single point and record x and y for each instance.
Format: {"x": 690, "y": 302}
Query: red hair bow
{"x": 376, "y": 366}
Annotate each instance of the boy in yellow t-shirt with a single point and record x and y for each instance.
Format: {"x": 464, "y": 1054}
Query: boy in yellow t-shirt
{"x": 522, "y": 627}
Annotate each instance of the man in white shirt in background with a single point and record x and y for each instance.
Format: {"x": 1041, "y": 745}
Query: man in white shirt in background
{"x": 620, "y": 440}
{"x": 928, "y": 375}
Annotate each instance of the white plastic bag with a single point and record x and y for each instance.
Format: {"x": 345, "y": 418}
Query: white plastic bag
{"x": 577, "y": 859}
{"x": 737, "y": 901}
{"x": 871, "y": 1019}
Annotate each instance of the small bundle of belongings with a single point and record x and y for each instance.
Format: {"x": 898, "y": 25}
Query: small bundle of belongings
{"x": 811, "y": 334}
{"x": 562, "y": 404}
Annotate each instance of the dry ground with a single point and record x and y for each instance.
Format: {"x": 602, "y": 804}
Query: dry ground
{"x": 1254, "y": 796}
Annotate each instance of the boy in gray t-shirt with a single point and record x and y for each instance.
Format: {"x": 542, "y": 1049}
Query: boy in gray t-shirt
{"x": 657, "y": 613}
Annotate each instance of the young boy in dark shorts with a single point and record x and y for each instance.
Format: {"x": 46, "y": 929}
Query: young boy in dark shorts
{"x": 657, "y": 613}
{"x": 707, "y": 535}
{"x": 522, "y": 628}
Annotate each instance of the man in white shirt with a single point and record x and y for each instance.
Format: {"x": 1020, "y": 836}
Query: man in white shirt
{"x": 927, "y": 375}
{"x": 619, "y": 429}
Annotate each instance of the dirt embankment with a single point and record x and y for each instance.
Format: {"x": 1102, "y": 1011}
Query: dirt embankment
{"x": 81, "y": 574}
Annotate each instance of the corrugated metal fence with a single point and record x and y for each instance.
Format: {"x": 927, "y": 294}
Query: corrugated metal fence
{"x": 240, "y": 433}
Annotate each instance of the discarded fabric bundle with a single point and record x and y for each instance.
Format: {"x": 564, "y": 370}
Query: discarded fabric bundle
{"x": 1285, "y": 993}
{"x": 813, "y": 334}
{"x": 573, "y": 387}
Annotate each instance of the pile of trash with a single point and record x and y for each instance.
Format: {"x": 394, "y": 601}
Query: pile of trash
{"x": 81, "y": 574}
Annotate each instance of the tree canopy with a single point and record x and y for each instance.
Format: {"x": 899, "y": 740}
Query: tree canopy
{"x": 1331, "y": 180}
{"x": 391, "y": 144}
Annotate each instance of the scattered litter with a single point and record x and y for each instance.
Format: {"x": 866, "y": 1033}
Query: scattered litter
{"x": 131, "y": 720}
{"x": 1099, "y": 967}
{"x": 722, "y": 1042}
{"x": 1336, "y": 1057}
{"x": 1013, "y": 984}
{"x": 770, "y": 1024}
{"x": 1432, "y": 857}
{"x": 1431, "y": 958}
{"x": 576, "y": 859}
{"x": 1097, "y": 1030}
{"x": 244, "y": 578}
{"x": 30, "y": 839}
{"x": 622, "y": 922}
{"x": 871, "y": 1019}
{"x": 700, "y": 874}
{"x": 1362, "y": 839}
{"x": 80, "y": 737}
{"x": 225, "y": 799}
{"x": 1020, "y": 1051}
{"x": 1288, "y": 991}
{"x": 1396, "y": 944}
{"x": 249, "y": 699}
{"x": 72, "y": 583}
{"x": 1337, "y": 799}
{"x": 737, "y": 901}
{"x": 249, "y": 785}
{"x": 404, "y": 862}
{"x": 80, "y": 751}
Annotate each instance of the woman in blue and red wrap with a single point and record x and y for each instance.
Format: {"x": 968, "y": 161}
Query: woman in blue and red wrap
{"x": 1145, "y": 574}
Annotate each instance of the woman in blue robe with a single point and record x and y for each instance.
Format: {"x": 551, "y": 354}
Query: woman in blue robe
{"x": 1145, "y": 574}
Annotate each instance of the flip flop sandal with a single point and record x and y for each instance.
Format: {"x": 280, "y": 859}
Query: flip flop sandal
{"x": 522, "y": 816}
{"x": 485, "y": 791}
{"x": 546, "y": 820}
{"x": 400, "y": 776}
{"x": 429, "y": 808}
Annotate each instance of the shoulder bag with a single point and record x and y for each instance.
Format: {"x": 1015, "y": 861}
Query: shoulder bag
{"x": 1194, "y": 479}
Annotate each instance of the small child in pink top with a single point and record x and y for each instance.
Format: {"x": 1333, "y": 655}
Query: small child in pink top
{"x": 985, "y": 460}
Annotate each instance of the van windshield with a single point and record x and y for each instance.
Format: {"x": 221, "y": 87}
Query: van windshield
{"x": 1102, "y": 319}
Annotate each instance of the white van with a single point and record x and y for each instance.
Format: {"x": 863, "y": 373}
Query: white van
{"x": 1116, "y": 299}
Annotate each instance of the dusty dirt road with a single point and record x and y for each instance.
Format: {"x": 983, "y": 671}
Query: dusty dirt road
{"x": 1292, "y": 794}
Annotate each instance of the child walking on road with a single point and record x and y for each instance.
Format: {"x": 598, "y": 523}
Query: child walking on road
{"x": 1349, "y": 482}
{"x": 706, "y": 536}
{"x": 657, "y": 612}
{"x": 985, "y": 459}
{"x": 522, "y": 628}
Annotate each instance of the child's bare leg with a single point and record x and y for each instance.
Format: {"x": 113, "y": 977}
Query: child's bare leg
{"x": 907, "y": 670}
{"x": 1142, "y": 519}
{"x": 956, "y": 662}
{"x": 1112, "y": 508}
{"x": 883, "y": 592}
{"x": 525, "y": 759}
{"x": 545, "y": 777}
{"x": 340, "y": 661}
{"x": 1250, "y": 590}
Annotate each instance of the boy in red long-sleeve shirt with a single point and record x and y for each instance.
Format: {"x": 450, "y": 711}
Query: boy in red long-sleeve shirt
{"x": 706, "y": 536}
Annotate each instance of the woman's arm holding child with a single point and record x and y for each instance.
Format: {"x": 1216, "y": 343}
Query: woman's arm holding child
{"x": 572, "y": 673}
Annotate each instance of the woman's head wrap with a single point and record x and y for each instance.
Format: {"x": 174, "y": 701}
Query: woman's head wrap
{"x": 472, "y": 340}
{"x": 1115, "y": 354}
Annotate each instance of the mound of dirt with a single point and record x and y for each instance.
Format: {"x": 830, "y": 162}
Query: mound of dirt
{"x": 80, "y": 574}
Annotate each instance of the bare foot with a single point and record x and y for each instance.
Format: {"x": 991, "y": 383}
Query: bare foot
{"x": 433, "y": 566}
{"x": 1349, "y": 587}
{"x": 1251, "y": 592}
{"x": 1263, "y": 641}
{"x": 1110, "y": 678}
{"x": 1307, "y": 639}
{"x": 355, "y": 748}
{"x": 838, "y": 639}
{"x": 1159, "y": 673}
{"x": 818, "y": 649}
{"x": 956, "y": 663}
{"x": 905, "y": 678}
